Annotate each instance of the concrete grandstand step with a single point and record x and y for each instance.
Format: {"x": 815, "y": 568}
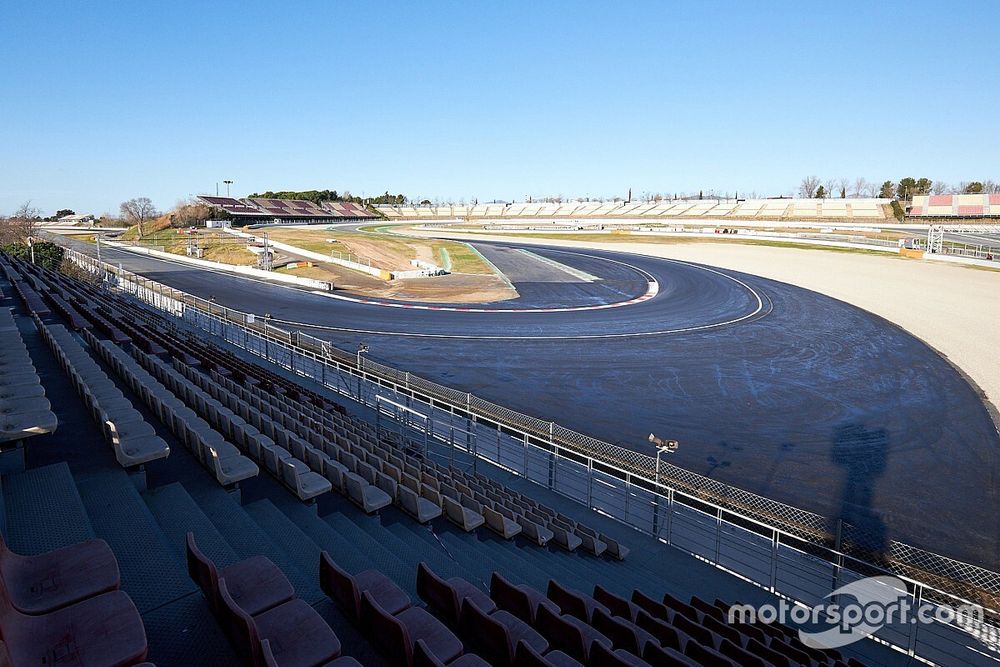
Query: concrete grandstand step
{"x": 434, "y": 554}
{"x": 479, "y": 563}
{"x": 178, "y": 513}
{"x": 48, "y": 497}
{"x": 380, "y": 557}
{"x": 152, "y": 572}
{"x": 344, "y": 553}
{"x": 342, "y": 550}
{"x": 248, "y": 539}
{"x": 287, "y": 535}
{"x": 186, "y": 633}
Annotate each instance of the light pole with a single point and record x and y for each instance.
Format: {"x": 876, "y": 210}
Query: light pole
{"x": 228, "y": 183}
{"x": 362, "y": 349}
{"x": 662, "y": 447}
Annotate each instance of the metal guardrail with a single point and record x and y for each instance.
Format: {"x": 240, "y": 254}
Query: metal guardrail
{"x": 787, "y": 551}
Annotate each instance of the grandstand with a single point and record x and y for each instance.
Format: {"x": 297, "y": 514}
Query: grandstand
{"x": 955, "y": 206}
{"x": 286, "y": 210}
{"x": 846, "y": 210}
{"x": 210, "y": 508}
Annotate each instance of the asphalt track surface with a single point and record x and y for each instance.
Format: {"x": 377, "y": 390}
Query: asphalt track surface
{"x": 767, "y": 386}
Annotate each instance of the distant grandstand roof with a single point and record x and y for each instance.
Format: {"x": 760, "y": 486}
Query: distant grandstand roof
{"x": 264, "y": 209}
{"x": 291, "y": 208}
{"x": 231, "y": 205}
{"x": 862, "y": 210}
{"x": 956, "y": 206}
{"x": 348, "y": 209}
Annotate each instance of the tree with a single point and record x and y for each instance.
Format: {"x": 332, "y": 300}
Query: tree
{"x": 842, "y": 185}
{"x": 973, "y": 188}
{"x": 939, "y": 188}
{"x": 860, "y": 186}
{"x": 20, "y": 225}
{"x": 923, "y": 186}
{"x": 887, "y": 191}
{"x": 137, "y": 211}
{"x": 47, "y": 254}
{"x": 907, "y": 188}
{"x": 821, "y": 193}
{"x": 807, "y": 188}
{"x": 63, "y": 212}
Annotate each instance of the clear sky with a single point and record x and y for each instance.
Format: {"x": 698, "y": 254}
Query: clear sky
{"x": 104, "y": 101}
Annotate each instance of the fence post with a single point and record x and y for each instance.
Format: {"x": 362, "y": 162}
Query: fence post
{"x": 775, "y": 546}
{"x": 590, "y": 484}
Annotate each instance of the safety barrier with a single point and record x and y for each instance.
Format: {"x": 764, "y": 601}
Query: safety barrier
{"x": 788, "y": 551}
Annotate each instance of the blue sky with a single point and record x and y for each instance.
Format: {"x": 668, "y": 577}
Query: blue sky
{"x": 103, "y": 101}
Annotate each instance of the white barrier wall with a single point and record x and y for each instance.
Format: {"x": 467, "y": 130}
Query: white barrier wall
{"x": 229, "y": 268}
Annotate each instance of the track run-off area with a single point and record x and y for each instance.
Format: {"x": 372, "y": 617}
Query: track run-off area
{"x": 770, "y": 387}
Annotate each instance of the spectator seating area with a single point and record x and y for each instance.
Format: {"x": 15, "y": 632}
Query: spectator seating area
{"x": 955, "y": 206}
{"x": 24, "y": 409}
{"x": 846, "y": 210}
{"x": 324, "y": 558}
{"x": 287, "y": 210}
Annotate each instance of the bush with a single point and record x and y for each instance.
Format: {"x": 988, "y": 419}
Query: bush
{"x": 47, "y": 254}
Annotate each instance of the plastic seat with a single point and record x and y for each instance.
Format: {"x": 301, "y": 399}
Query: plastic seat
{"x": 568, "y": 633}
{"x": 498, "y": 633}
{"x": 521, "y": 600}
{"x": 666, "y": 634}
{"x": 573, "y": 602}
{"x": 346, "y": 589}
{"x": 663, "y": 656}
{"x": 367, "y": 497}
{"x": 297, "y": 635}
{"x": 416, "y": 506}
{"x": 423, "y": 657}
{"x": 590, "y": 543}
{"x": 305, "y": 483}
{"x": 623, "y": 633}
{"x": 446, "y": 597}
{"x": 463, "y": 517}
{"x": 397, "y": 634}
{"x": 525, "y": 656}
{"x": 535, "y": 531}
{"x": 616, "y": 604}
{"x": 255, "y": 584}
{"x": 602, "y": 656}
{"x": 706, "y": 656}
{"x": 49, "y": 581}
{"x": 231, "y": 470}
{"x": 104, "y": 630}
{"x": 567, "y": 540}
{"x": 501, "y": 525}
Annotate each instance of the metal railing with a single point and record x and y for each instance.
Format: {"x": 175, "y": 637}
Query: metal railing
{"x": 788, "y": 551}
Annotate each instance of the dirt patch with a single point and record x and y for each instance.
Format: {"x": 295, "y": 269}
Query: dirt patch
{"x": 452, "y": 288}
{"x": 387, "y": 251}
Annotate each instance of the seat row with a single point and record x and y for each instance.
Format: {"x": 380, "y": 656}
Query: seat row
{"x": 24, "y": 409}
{"x": 256, "y": 606}
{"x": 407, "y": 634}
{"x": 421, "y": 488}
{"x": 133, "y": 440}
{"x": 269, "y": 441}
{"x": 505, "y": 511}
{"x": 210, "y": 448}
{"x": 65, "y": 605}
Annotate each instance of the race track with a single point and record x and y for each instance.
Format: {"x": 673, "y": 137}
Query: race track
{"x": 767, "y": 386}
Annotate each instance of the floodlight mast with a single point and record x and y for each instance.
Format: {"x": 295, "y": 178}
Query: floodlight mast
{"x": 662, "y": 447}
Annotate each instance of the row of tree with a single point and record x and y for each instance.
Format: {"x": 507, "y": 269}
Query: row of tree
{"x": 904, "y": 189}
{"x": 17, "y": 238}
{"x": 318, "y": 196}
